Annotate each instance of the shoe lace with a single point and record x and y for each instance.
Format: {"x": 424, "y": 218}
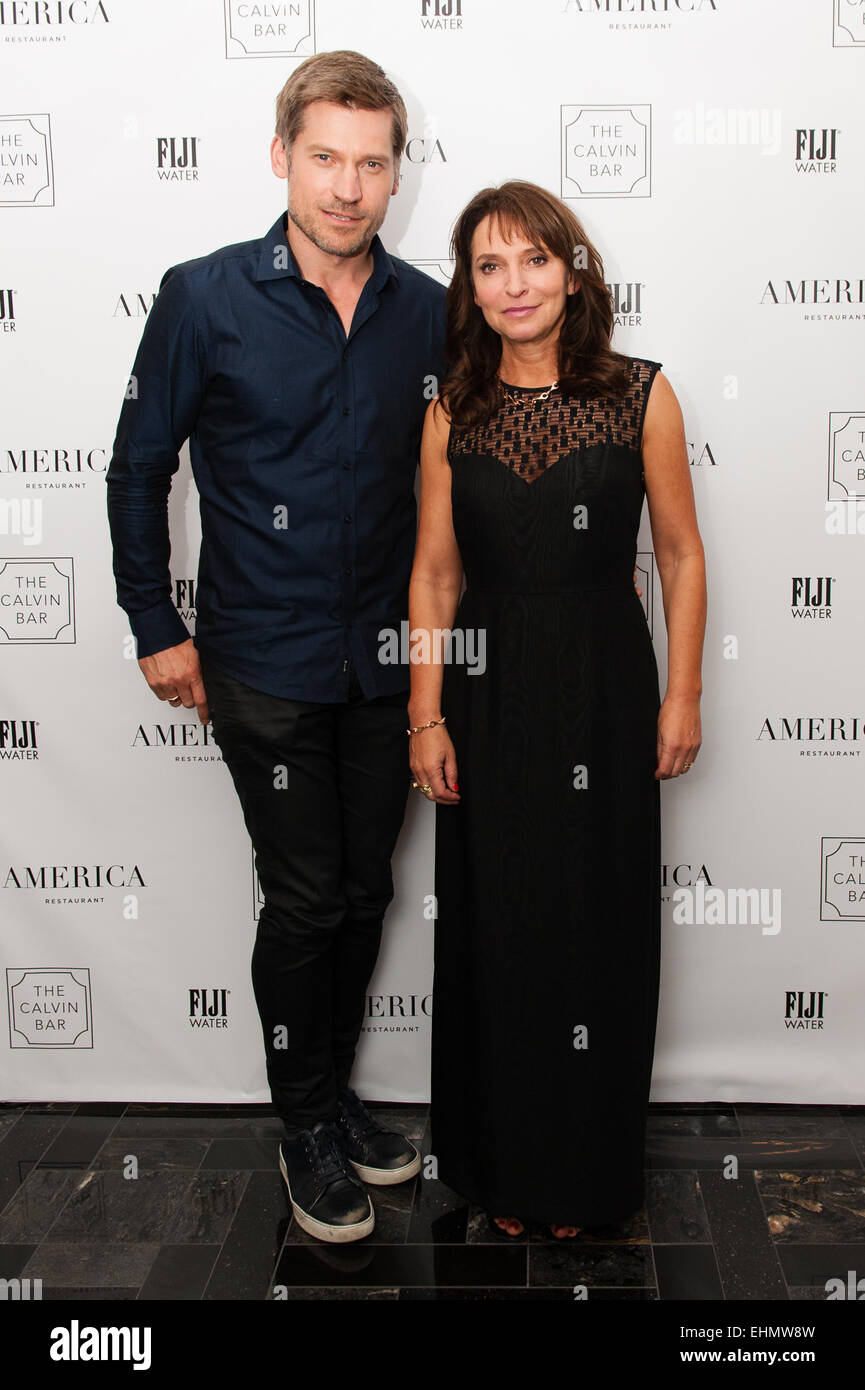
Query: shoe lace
{"x": 361, "y": 1120}
{"x": 326, "y": 1154}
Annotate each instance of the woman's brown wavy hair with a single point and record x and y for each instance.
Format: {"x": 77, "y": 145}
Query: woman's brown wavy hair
{"x": 587, "y": 363}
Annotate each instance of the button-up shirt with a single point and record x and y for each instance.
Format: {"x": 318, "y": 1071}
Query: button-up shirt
{"x": 304, "y": 446}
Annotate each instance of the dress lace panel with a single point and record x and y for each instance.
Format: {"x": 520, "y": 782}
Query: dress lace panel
{"x": 529, "y": 435}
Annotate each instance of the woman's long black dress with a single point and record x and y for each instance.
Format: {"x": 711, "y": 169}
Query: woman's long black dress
{"x": 547, "y": 946}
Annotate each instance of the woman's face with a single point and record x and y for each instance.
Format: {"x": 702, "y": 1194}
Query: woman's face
{"x": 520, "y": 288}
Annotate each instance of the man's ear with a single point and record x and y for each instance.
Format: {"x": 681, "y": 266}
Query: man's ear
{"x": 280, "y": 160}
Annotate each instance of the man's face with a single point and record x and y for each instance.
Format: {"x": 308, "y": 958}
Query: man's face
{"x": 341, "y": 173}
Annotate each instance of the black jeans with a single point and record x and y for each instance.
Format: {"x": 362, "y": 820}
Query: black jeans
{"x": 323, "y": 788}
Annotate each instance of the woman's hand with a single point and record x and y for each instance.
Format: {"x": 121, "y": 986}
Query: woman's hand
{"x": 433, "y": 763}
{"x": 679, "y": 735}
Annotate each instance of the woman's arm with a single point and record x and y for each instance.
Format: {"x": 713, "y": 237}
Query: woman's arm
{"x": 434, "y": 591}
{"x": 682, "y": 568}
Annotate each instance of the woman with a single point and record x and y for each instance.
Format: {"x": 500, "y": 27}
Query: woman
{"x": 535, "y": 459}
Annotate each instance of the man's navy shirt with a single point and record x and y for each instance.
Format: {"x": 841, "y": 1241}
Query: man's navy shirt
{"x": 304, "y": 446}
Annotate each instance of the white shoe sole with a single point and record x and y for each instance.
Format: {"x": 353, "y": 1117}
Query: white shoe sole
{"x": 334, "y": 1235}
{"x": 386, "y": 1177}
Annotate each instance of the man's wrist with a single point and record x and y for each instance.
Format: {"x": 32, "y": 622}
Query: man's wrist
{"x": 158, "y": 628}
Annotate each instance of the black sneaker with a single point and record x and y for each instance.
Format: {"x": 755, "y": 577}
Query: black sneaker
{"x": 378, "y": 1155}
{"x": 326, "y": 1197}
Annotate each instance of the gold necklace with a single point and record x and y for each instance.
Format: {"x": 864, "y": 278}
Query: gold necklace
{"x": 520, "y": 400}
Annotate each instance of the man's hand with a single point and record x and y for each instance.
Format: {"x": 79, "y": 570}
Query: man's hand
{"x": 175, "y": 675}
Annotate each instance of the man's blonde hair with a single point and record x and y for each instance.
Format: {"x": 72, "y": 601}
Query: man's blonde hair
{"x": 346, "y": 78}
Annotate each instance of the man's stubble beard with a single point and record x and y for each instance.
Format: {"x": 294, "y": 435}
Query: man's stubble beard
{"x": 354, "y": 249}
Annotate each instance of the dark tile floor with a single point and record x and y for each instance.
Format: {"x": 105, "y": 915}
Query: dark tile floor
{"x": 207, "y": 1218}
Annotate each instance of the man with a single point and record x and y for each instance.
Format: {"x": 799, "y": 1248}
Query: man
{"x": 299, "y": 366}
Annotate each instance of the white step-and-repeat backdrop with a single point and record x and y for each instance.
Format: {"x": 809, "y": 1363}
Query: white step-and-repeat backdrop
{"x": 714, "y": 150}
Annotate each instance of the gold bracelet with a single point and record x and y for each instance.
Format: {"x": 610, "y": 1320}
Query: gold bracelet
{"x": 430, "y": 725}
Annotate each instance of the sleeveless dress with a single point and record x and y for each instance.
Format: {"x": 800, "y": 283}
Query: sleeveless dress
{"x": 547, "y": 872}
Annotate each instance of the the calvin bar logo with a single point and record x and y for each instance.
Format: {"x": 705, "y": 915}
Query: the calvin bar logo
{"x": 645, "y": 566}
{"x": 849, "y": 27}
{"x": 49, "y": 1008}
{"x": 26, "y": 164}
{"x": 278, "y": 29}
{"x": 442, "y": 271}
{"x": 846, "y": 454}
{"x": 37, "y": 601}
{"x": 842, "y": 878}
{"x": 606, "y": 151}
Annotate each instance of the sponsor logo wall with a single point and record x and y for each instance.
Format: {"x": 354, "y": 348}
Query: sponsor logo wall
{"x": 713, "y": 149}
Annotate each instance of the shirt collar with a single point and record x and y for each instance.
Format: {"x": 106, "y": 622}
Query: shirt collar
{"x": 276, "y": 260}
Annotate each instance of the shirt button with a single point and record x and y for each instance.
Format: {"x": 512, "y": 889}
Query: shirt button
{"x": 346, "y": 518}
{"x": 346, "y": 465}
{"x": 347, "y": 571}
{"x": 345, "y": 410}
